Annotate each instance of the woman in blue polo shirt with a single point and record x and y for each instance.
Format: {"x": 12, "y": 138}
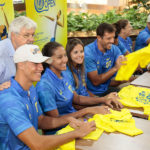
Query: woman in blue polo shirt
{"x": 55, "y": 92}
{"x": 119, "y": 44}
{"x": 75, "y": 72}
{"x": 124, "y": 29}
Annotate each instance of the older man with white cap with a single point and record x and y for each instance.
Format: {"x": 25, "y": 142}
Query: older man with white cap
{"x": 20, "y": 113}
{"x": 143, "y": 39}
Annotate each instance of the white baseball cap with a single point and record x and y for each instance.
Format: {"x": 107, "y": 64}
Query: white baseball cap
{"x": 148, "y": 18}
{"x": 31, "y": 53}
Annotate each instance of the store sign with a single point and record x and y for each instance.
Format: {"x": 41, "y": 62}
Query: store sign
{"x": 51, "y": 18}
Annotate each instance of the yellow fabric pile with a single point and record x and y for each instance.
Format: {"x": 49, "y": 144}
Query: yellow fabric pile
{"x": 117, "y": 121}
{"x": 132, "y": 96}
{"x": 94, "y": 135}
{"x": 69, "y": 145}
{"x": 120, "y": 121}
{"x": 140, "y": 57}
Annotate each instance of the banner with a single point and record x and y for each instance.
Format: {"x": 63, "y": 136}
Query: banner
{"x": 6, "y": 17}
{"x": 51, "y": 18}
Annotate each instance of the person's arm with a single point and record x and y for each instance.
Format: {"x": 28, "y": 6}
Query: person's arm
{"x": 86, "y": 100}
{"x": 98, "y": 79}
{"x": 82, "y": 112}
{"x": 115, "y": 83}
{"x": 55, "y": 121}
{"x": 40, "y": 142}
{"x": 110, "y": 100}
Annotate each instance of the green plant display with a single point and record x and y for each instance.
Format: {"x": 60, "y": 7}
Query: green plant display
{"x": 136, "y": 18}
{"x": 88, "y": 22}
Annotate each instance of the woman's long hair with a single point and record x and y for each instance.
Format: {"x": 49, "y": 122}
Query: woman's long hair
{"x": 69, "y": 47}
{"x": 121, "y": 24}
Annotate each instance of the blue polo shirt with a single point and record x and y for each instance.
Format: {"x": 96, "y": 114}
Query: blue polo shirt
{"x": 55, "y": 93}
{"x": 142, "y": 38}
{"x": 81, "y": 89}
{"x": 95, "y": 60}
{"x": 18, "y": 112}
{"x": 126, "y": 42}
{"x": 121, "y": 47}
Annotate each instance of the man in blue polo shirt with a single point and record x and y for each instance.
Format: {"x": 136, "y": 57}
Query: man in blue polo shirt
{"x": 20, "y": 113}
{"x": 102, "y": 60}
{"x": 143, "y": 39}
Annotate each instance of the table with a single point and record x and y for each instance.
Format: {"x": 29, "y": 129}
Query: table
{"x": 143, "y": 80}
{"x": 119, "y": 141}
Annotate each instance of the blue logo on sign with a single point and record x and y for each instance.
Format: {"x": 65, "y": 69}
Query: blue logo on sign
{"x": 43, "y": 5}
{"x": 2, "y": 3}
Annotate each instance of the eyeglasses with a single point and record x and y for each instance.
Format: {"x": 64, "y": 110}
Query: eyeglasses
{"x": 27, "y": 36}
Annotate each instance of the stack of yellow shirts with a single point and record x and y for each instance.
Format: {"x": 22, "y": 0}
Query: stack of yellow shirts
{"x": 120, "y": 121}
{"x": 132, "y": 96}
{"x": 140, "y": 57}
